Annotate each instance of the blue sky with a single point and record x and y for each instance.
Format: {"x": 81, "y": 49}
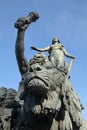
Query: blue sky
{"x": 65, "y": 19}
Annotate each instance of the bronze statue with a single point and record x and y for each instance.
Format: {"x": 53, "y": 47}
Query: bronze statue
{"x": 47, "y": 104}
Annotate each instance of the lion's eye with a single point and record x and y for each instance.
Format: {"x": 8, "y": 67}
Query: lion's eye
{"x": 30, "y": 70}
{"x": 38, "y": 69}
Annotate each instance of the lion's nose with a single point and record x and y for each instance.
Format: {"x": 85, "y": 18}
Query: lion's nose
{"x": 34, "y": 68}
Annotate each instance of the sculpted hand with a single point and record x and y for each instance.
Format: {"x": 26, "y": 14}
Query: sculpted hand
{"x": 21, "y": 23}
{"x": 33, "y": 48}
{"x": 72, "y": 57}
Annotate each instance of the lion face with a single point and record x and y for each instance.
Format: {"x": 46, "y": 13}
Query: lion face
{"x": 40, "y": 79}
{"x": 37, "y": 80}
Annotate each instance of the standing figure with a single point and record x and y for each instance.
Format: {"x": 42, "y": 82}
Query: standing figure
{"x": 56, "y": 53}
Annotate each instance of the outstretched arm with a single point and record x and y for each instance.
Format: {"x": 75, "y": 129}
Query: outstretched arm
{"x": 67, "y": 54}
{"x": 40, "y": 49}
{"x": 22, "y": 24}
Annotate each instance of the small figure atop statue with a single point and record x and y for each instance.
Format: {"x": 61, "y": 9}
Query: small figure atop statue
{"x": 56, "y": 53}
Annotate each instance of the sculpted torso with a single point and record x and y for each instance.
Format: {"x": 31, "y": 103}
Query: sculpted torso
{"x": 56, "y": 55}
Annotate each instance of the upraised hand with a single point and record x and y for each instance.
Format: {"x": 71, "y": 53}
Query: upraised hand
{"x": 23, "y": 22}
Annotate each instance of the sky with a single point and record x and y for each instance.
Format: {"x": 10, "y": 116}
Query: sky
{"x": 65, "y": 19}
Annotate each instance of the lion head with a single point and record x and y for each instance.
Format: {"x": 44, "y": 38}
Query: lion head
{"x": 42, "y": 85}
{"x": 46, "y": 95}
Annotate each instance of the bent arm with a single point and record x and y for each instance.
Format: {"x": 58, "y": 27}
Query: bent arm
{"x": 40, "y": 49}
{"x": 67, "y": 54}
{"x": 19, "y": 51}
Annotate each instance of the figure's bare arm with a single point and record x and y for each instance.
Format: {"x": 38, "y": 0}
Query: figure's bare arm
{"x": 19, "y": 51}
{"x": 67, "y": 54}
{"x": 40, "y": 49}
{"x": 22, "y": 24}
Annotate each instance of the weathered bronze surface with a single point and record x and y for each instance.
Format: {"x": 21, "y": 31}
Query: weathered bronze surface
{"x": 45, "y": 99}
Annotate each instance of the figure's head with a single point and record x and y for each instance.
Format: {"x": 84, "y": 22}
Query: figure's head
{"x": 55, "y": 40}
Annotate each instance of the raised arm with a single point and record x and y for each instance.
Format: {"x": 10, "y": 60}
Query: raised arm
{"x": 67, "y": 54}
{"x": 22, "y": 24}
{"x": 19, "y": 51}
{"x": 40, "y": 49}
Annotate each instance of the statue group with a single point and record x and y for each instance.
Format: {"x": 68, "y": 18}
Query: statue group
{"x": 45, "y": 99}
